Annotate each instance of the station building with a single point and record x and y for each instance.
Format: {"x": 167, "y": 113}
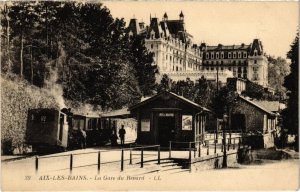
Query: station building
{"x": 169, "y": 117}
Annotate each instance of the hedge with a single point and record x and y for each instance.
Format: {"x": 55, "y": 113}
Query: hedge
{"x": 17, "y": 97}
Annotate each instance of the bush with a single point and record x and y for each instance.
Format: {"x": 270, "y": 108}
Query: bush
{"x": 17, "y": 96}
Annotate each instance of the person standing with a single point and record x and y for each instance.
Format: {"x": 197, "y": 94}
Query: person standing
{"x": 122, "y": 133}
{"x": 83, "y": 138}
{"x": 113, "y": 139}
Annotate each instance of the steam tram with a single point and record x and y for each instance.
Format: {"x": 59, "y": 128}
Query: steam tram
{"x": 53, "y": 130}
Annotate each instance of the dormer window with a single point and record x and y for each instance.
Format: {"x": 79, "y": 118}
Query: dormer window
{"x": 207, "y": 55}
{"x": 255, "y": 52}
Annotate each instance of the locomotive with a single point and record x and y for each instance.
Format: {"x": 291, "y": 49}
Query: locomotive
{"x": 53, "y": 130}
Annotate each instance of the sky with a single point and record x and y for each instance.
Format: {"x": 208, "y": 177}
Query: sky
{"x": 228, "y": 23}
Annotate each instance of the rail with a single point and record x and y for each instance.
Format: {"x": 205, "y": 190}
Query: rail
{"x": 130, "y": 149}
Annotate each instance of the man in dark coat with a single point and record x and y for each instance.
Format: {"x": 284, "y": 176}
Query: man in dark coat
{"x": 122, "y": 133}
{"x": 83, "y": 138}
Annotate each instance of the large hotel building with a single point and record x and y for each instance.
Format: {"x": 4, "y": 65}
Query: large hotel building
{"x": 176, "y": 55}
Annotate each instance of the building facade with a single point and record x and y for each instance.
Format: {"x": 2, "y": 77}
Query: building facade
{"x": 176, "y": 55}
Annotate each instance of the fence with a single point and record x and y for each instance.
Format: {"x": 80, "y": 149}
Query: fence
{"x": 202, "y": 149}
{"x": 122, "y": 159}
{"x": 208, "y": 145}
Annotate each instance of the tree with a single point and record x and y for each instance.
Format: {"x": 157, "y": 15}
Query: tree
{"x": 204, "y": 92}
{"x": 278, "y": 68}
{"x": 165, "y": 84}
{"x": 291, "y": 114}
{"x": 143, "y": 64}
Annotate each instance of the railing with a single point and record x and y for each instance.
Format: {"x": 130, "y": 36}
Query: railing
{"x": 142, "y": 148}
{"x": 210, "y": 144}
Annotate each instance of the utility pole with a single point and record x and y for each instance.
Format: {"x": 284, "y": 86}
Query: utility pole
{"x": 224, "y": 164}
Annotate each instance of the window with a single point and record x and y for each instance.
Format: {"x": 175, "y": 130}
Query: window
{"x": 222, "y": 69}
{"x": 222, "y": 55}
{"x": 151, "y": 46}
{"x": 234, "y": 54}
{"x": 229, "y": 68}
{"x": 212, "y": 56}
{"x": 239, "y": 55}
{"x": 207, "y": 55}
{"x": 229, "y": 55}
{"x": 255, "y": 62}
{"x": 217, "y": 55}
{"x": 245, "y": 55}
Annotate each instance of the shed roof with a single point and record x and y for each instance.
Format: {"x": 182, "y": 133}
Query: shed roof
{"x": 120, "y": 113}
{"x": 187, "y": 101}
{"x": 260, "y": 106}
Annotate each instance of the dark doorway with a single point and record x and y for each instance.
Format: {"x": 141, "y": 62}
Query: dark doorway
{"x": 166, "y": 130}
{"x": 238, "y": 122}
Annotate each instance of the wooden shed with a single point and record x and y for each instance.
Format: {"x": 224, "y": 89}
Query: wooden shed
{"x": 168, "y": 117}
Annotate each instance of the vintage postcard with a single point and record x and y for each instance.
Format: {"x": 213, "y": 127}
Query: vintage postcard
{"x": 149, "y": 95}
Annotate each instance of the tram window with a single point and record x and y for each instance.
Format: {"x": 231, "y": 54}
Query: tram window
{"x": 42, "y": 117}
{"x": 78, "y": 124}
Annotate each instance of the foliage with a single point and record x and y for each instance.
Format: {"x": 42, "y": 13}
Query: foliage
{"x": 143, "y": 65}
{"x": 165, "y": 84}
{"x": 17, "y": 97}
{"x": 278, "y": 69}
{"x": 291, "y": 82}
{"x": 97, "y": 62}
{"x": 200, "y": 92}
{"x": 223, "y": 101}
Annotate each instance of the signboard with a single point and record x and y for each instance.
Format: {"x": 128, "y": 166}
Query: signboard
{"x": 187, "y": 122}
{"x": 145, "y": 125}
{"x": 166, "y": 114}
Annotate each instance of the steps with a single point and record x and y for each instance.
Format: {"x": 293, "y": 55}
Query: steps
{"x": 167, "y": 166}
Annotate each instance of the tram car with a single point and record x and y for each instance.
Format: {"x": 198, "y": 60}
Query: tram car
{"x": 54, "y": 130}
{"x": 47, "y": 129}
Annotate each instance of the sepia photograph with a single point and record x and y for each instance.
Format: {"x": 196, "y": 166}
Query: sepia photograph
{"x": 149, "y": 95}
